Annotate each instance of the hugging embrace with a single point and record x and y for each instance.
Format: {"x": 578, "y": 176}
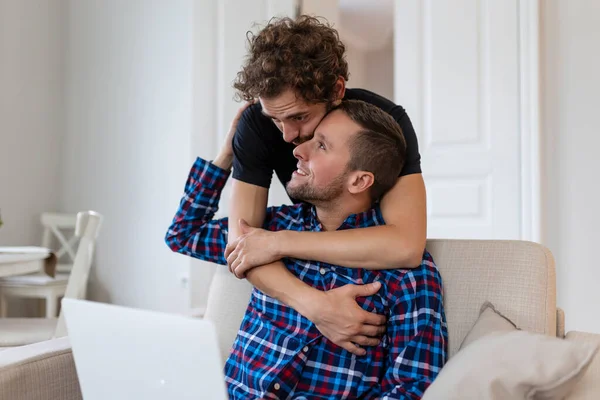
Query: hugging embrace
{"x": 346, "y": 301}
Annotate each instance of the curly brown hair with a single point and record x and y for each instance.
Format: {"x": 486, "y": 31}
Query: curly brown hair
{"x": 305, "y": 54}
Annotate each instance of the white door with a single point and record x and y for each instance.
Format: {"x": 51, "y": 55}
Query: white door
{"x": 461, "y": 71}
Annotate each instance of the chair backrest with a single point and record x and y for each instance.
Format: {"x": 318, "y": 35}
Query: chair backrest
{"x": 517, "y": 277}
{"x": 57, "y": 226}
{"x": 86, "y": 229}
{"x": 228, "y": 299}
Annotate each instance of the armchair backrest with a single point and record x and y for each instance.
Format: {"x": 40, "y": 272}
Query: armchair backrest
{"x": 517, "y": 277}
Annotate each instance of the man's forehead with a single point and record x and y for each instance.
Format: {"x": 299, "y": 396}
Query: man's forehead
{"x": 287, "y": 104}
{"x": 284, "y": 114}
{"x": 338, "y": 120}
{"x": 336, "y": 127}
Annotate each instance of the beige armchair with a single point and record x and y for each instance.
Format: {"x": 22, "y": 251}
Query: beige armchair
{"x": 517, "y": 277}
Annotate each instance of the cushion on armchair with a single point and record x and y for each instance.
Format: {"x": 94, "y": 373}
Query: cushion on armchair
{"x": 498, "y": 361}
{"x": 589, "y": 386}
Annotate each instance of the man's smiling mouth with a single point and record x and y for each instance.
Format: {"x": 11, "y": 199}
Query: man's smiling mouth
{"x": 300, "y": 171}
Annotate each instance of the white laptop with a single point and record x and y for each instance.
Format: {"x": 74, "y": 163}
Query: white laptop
{"x": 124, "y": 353}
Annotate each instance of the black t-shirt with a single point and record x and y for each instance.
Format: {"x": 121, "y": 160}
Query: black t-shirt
{"x": 259, "y": 148}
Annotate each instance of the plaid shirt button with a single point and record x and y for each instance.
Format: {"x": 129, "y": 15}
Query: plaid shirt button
{"x": 277, "y": 386}
{"x": 305, "y": 349}
{"x": 322, "y": 271}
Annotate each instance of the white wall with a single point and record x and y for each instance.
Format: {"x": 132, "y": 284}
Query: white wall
{"x": 571, "y": 137}
{"x": 357, "y": 65}
{"x": 126, "y": 153}
{"x": 379, "y": 70}
{"x": 31, "y": 115}
{"x": 369, "y": 45}
{"x": 371, "y": 69}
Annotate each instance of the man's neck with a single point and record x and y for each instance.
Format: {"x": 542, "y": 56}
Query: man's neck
{"x": 333, "y": 214}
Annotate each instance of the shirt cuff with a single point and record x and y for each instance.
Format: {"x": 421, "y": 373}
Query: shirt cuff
{"x": 208, "y": 175}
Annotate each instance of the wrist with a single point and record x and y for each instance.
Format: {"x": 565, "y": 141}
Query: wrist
{"x": 307, "y": 302}
{"x": 224, "y": 161}
{"x": 283, "y": 243}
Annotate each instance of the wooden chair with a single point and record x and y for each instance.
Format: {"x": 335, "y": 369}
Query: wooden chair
{"x": 22, "y": 331}
{"x": 42, "y": 286}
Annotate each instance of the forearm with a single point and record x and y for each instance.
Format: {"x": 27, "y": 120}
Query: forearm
{"x": 379, "y": 247}
{"x": 193, "y": 230}
{"x": 249, "y": 202}
{"x": 277, "y": 281}
{"x": 223, "y": 161}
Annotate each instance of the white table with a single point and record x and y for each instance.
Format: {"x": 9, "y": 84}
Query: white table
{"x": 22, "y": 260}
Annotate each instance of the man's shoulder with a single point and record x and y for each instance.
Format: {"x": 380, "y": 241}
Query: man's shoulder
{"x": 425, "y": 276}
{"x": 375, "y": 99}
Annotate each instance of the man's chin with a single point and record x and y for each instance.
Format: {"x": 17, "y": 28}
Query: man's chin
{"x": 295, "y": 191}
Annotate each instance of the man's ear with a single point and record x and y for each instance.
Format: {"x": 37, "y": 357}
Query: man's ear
{"x": 360, "y": 181}
{"x": 340, "y": 90}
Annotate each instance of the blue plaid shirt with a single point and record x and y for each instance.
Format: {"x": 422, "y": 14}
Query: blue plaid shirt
{"x": 279, "y": 354}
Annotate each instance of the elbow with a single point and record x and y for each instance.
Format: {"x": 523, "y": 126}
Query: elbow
{"x": 405, "y": 248}
{"x": 406, "y": 260}
{"x": 172, "y": 241}
{"x": 415, "y": 256}
{"x": 415, "y": 252}
{"x": 410, "y": 257}
{"x": 414, "y": 260}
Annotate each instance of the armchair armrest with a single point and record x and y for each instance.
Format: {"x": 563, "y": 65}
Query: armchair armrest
{"x": 198, "y": 312}
{"x": 40, "y": 371}
{"x": 588, "y": 388}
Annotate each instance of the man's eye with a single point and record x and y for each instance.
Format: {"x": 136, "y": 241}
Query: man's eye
{"x": 321, "y": 146}
{"x": 300, "y": 118}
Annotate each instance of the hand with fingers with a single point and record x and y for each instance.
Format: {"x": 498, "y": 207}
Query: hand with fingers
{"x": 253, "y": 248}
{"x": 341, "y": 320}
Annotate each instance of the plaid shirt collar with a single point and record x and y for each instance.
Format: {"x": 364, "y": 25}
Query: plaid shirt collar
{"x": 363, "y": 219}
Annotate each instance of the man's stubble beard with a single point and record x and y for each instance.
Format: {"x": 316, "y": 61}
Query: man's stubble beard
{"x": 318, "y": 196}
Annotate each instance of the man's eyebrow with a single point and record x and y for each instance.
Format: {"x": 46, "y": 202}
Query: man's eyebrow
{"x": 265, "y": 114}
{"x": 294, "y": 115}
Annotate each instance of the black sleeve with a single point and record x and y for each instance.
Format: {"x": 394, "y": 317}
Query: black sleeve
{"x": 413, "y": 158}
{"x": 251, "y": 151}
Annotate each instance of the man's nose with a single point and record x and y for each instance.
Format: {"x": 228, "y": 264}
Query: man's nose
{"x": 289, "y": 133}
{"x": 300, "y": 151}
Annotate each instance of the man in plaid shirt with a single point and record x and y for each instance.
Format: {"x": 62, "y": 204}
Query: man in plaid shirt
{"x": 279, "y": 353}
